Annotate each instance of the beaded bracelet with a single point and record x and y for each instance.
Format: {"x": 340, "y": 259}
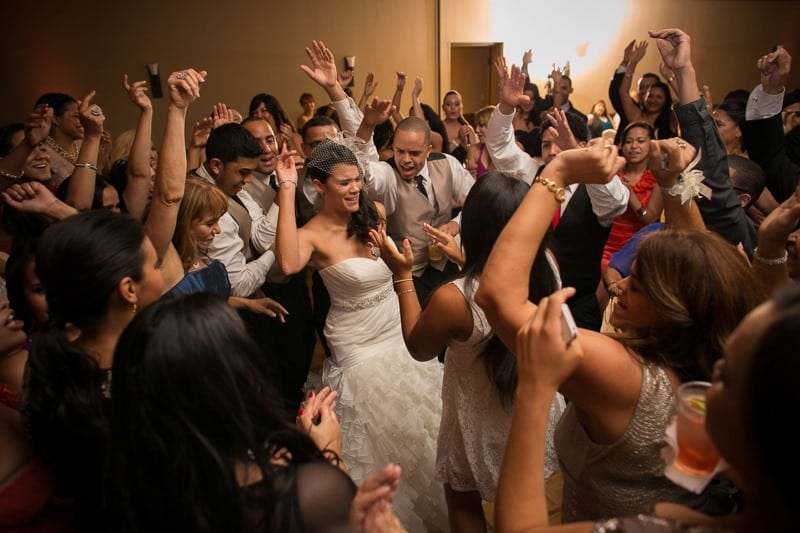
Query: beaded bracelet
{"x": 10, "y": 175}
{"x": 770, "y": 262}
{"x": 86, "y": 165}
{"x": 557, "y": 191}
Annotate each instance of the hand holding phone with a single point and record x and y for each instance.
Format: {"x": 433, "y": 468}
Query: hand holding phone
{"x": 568, "y": 328}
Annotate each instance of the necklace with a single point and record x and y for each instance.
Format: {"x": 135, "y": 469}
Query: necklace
{"x": 71, "y": 157}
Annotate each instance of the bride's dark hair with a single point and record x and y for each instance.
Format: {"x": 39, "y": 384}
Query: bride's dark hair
{"x": 319, "y": 166}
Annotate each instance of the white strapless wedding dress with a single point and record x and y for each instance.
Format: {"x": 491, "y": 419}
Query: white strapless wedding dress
{"x": 388, "y": 404}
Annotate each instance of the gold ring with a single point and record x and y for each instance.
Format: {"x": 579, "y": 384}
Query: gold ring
{"x": 681, "y": 144}
{"x": 609, "y": 146}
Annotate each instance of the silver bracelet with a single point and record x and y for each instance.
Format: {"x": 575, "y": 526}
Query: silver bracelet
{"x": 281, "y": 182}
{"x": 770, "y": 262}
{"x": 86, "y": 165}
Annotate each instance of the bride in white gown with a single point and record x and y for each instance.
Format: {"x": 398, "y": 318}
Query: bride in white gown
{"x": 389, "y": 405}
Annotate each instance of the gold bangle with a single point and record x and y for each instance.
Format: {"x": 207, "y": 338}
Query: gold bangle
{"x": 10, "y": 175}
{"x": 406, "y": 291}
{"x": 557, "y": 191}
{"x": 402, "y": 280}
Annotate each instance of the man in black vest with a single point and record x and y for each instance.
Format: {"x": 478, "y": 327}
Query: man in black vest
{"x": 582, "y": 224}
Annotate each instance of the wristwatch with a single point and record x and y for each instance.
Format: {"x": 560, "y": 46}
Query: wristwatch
{"x": 641, "y": 212}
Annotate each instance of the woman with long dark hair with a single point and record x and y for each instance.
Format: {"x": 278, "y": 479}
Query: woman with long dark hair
{"x": 480, "y": 373}
{"x": 377, "y": 381}
{"x": 198, "y": 442}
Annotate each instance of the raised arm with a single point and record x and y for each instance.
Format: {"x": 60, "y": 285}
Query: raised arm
{"x": 415, "y": 102}
{"x": 323, "y": 70}
{"x": 629, "y": 107}
{"x": 196, "y": 155}
{"x": 722, "y": 211}
{"x": 369, "y": 89}
{"x": 398, "y": 97}
{"x": 184, "y": 88}
{"x": 506, "y": 155}
{"x": 37, "y": 128}
{"x": 616, "y": 80}
{"x": 80, "y": 190}
{"x": 34, "y": 197}
{"x": 503, "y": 292}
{"x": 293, "y": 248}
{"x": 139, "y": 173}
{"x": 425, "y": 332}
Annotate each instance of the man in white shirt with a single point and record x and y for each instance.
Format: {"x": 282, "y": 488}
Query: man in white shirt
{"x": 584, "y": 220}
{"x": 418, "y": 186}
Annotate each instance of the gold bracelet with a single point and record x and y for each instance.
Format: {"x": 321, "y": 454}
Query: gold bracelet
{"x": 402, "y": 280}
{"x": 557, "y": 191}
{"x": 10, "y": 175}
{"x": 406, "y": 291}
{"x": 281, "y": 182}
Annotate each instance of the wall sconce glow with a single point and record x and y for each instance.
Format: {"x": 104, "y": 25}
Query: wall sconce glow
{"x": 350, "y": 62}
{"x": 578, "y": 31}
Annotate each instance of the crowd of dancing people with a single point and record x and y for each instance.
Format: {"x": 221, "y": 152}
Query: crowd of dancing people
{"x": 506, "y": 303}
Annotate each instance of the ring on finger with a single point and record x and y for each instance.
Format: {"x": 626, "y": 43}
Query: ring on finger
{"x": 180, "y": 75}
{"x": 96, "y": 110}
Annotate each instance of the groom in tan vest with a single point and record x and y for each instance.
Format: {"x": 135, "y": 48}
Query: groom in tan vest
{"x": 418, "y": 187}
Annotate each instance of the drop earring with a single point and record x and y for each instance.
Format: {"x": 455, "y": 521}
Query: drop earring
{"x": 134, "y": 308}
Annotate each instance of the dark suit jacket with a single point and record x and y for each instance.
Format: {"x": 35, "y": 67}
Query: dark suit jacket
{"x": 765, "y": 145}
{"x": 723, "y": 213}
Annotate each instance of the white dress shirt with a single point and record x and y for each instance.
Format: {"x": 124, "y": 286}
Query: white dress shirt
{"x": 228, "y": 248}
{"x": 609, "y": 200}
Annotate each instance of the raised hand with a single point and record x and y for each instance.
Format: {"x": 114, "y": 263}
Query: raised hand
{"x": 201, "y": 132}
{"x": 370, "y": 85}
{"x": 417, "y": 90}
{"x": 137, "y": 92}
{"x": 378, "y": 111}
{"x": 774, "y": 68}
{"x": 221, "y": 115}
{"x": 37, "y": 127}
{"x": 323, "y": 65}
{"x": 446, "y": 243}
{"x": 560, "y": 129}
{"x": 527, "y": 57}
{"x": 669, "y": 158}
{"x": 637, "y": 54}
{"x": 346, "y": 78}
{"x": 626, "y": 54}
{"x": 675, "y": 48}
{"x": 91, "y": 115}
{"x": 184, "y": 87}
{"x": 512, "y": 84}
{"x": 401, "y": 81}
{"x": 286, "y": 169}
{"x": 30, "y": 197}
{"x": 598, "y": 163}
{"x": 544, "y": 359}
{"x": 399, "y": 263}
{"x": 781, "y": 222}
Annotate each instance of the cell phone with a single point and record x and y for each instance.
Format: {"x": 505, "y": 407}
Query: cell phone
{"x": 568, "y": 328}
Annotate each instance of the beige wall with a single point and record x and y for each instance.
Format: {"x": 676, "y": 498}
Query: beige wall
{"x": 250, "y": 47}
{"x": 247, "y": 47}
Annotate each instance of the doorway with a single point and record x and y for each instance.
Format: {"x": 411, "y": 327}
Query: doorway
{"x": 472, "y": 74}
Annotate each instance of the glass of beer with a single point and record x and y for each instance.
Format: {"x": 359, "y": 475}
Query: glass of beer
{"x": 696, "y": 453}
{"x": 434, "y": 252}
